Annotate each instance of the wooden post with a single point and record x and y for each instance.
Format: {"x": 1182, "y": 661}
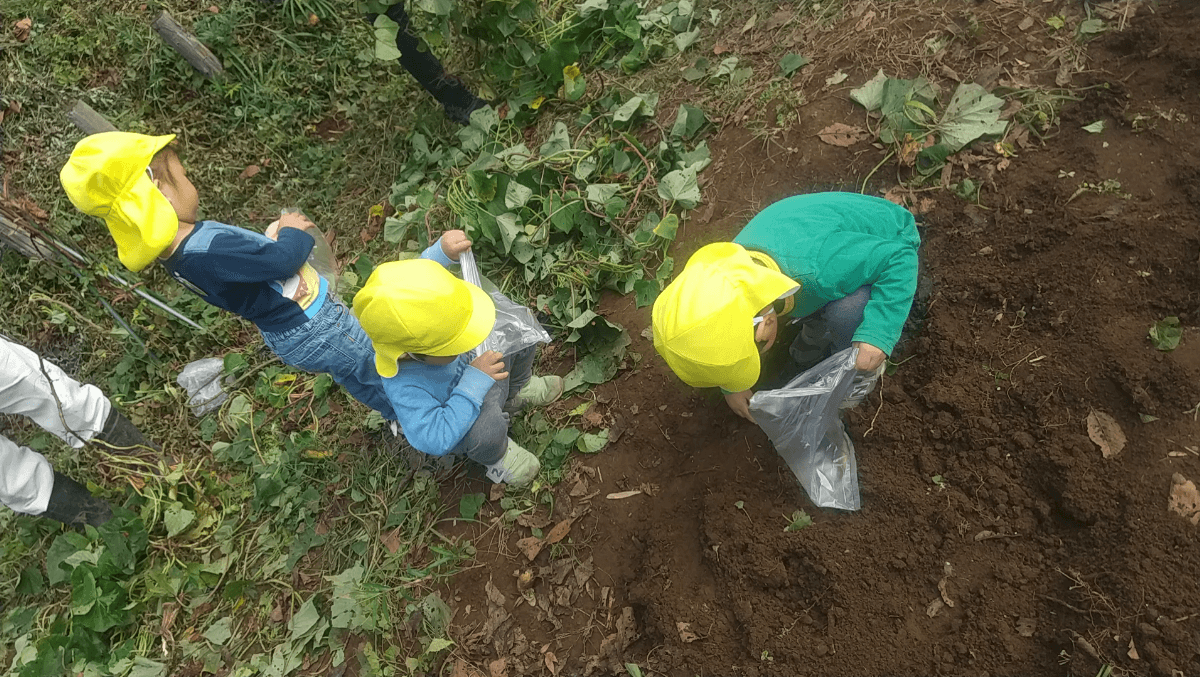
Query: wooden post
{"x": 187, "y": 45}
{"x": 88, "y": 120}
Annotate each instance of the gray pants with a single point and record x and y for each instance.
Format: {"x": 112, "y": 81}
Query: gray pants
{"x": 831, "y": 328}
{"x": 487, "y": 440}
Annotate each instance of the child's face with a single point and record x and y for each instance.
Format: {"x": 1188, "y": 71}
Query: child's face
{"x": 178, "y": 190}
{"x": 766, "y": 330}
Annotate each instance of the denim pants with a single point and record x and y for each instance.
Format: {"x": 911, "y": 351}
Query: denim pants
{"x": 332, "y": 342}
{"x": 487, "y": 440}
{"x": 831, "y": 328}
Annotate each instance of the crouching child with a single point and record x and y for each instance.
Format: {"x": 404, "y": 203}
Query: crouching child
{"x": 424, "y": 322}
{"x": 139, "y": 186}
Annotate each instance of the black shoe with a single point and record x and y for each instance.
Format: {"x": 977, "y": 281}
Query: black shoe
{"x": 120, "y": 433}
{"x": 72, "y": 504}
{"x": 457, "y": 99}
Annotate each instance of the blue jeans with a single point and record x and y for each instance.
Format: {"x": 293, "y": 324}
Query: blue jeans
{"x": 487, "y": 440}
{"x": 332, "y": 342}
{"x": 831, "y": 328}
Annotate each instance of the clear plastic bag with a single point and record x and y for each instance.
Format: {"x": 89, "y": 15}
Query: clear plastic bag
{"x": 803, "y": 423}
{"x": 202, "y": 381}
{"x": 516, "y": 328}
{"x": 321, "y": 257}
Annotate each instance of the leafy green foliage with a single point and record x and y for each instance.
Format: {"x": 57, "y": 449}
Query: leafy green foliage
{"x": 797, "y": 521}
{"x": 1166, "y": 334}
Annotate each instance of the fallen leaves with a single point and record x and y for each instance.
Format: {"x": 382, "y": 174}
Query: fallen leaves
{"x": 22, "y": 28}
{"x": 623, "y": 494}
{"x": 531, "y": 546}
{"x": 843, "y": 135}
{"x": 947, "y": 573}
{"x": 685, "y": 632}
{"x": 1185, "y": 499}
{"x": 391, "y": 540}
{"x": 1106, "y": 433}
{"x": 249, "y": 172}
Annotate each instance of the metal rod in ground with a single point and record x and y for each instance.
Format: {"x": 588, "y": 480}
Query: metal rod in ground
{"x": 88, "y": 120}
{"x": 184, "y": 42}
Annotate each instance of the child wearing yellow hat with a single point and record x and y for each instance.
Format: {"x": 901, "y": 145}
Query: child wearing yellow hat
{"x": 847, "y": 259}
{"x": 424, "y": 322}
{"x": 138, "y": 185}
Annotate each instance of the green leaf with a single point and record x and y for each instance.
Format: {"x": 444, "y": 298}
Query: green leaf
{"x": 685, "y": 40}
{"x": 680, "y": 186}
{"x": 667, "y": 227}
{"x": 1089, "y": 29}
{"x": 438, "y": 7}
{"x": 177, "y": 519}
{"x": 144, "y": 667}
{"x": 60, "y": 558}
{"x": 439, "y": 644}
{"x": 220, "y": 631}
{"x": 600, "y": 193}
{"x": 639, "y": 104}
{"x": 516, "y": 195}
{"x": 972, "y": 113}
{"x": 800, "y": 519}
{"x": 727, "y": 66}
{"x": 31, "y": 582}
{"x": 688, "y": 121}
{"x": 646, "y": 291}
{"x": 870, "y": 95}
{"x": 582, "y": 320}
{"x": 741, "y": 75}
{"x": 791, "y": 63}
{"x": 696, "y": 159}
{"x": 1056, "y": 22}
{"x": 509, "y": 229}
{"x": 1166, "y": 334}
{"x": 588, "y": 7}
{"x": 1094, "y": 128}
{"x": 574, "y": 84}
{"x": 692, "y": 74}
{"x": 385, "y": 38}
{"x": 591, "y": 444}
{"x": 83, "y": 592}
{"x": 303, "y": 621}
{"x": 566, "y": 436}
{"x": 558, "y": 142}
{"x": 469, "y": 504}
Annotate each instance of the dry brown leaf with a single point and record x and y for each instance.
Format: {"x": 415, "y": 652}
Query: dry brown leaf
{"x": 249, "y": 172}
{"x": 214, "y": 9}
{"x": 934, "y": 608}
{"x": 593, "y": 419}
{"x": 624, "y": 494}
{"x": 391, "y": 540}
{"x": 497, "y": 491}
{"x": 1106, "y": 433}
{"x": 1132, "y": 650}
{"x": 465, "y": 669}
{"x": 865, "y": 21}
{"x": 498, "y": 667}
{"x": 580, "y": 488}
{"x": 1026, "y": 626}
{"x": 685, "y": 632}
{"x": 1184, "y": 499}
{"x": 530, "y": 547}
{"x": 277, "y": 614}
{"x": 1026, "y": 23}
{"x": 842, "y": 135}
{"x": 533, "y": 521}
{"x": 559, "y": 531}
{"x": 720, "y": 48}
{"x": 22, "y": 28}
{"x": 552, "y": 663}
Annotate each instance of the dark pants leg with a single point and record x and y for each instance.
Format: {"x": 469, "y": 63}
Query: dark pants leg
{"x": 427, "y": 70}
{"x": 830, "y": 329}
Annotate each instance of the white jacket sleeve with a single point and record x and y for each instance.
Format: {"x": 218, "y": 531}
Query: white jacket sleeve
{"x": 25, "y": 390}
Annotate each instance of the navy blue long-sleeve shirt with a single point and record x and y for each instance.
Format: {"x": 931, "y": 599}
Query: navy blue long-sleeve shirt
{"x": 247, "y": 273}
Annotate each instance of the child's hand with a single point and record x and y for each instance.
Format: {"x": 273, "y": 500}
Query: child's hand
{"x": 740, "y": 403}
{"x": 295, "y": 220}
{"x": 869, "y": 357}
{"x": 491, "y": 363}
{"x": 454, "y": 243}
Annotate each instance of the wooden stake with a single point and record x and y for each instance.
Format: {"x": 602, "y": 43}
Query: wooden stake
{"x": 88, "y": 120}
{"x": 184, "y": 42}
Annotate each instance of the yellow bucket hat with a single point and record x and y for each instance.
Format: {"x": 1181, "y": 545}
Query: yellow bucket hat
{"x": 106, "y": 177}
{"x": 703, "y": 320}
{"x": 417, "y": 306}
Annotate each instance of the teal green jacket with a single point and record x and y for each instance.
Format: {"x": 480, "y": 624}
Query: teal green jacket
{"x": 833, "y": 243}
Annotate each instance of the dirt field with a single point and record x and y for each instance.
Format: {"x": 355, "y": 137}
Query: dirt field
{"x": 1036, "y": 555}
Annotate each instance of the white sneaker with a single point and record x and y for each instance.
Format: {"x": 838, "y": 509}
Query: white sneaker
{"x": 518, "y": 468}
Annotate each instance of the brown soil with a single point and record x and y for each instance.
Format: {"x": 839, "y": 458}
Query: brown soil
{"x": 1055, "y": 559}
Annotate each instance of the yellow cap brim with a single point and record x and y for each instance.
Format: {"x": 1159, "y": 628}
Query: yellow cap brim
{"x": 142, "y": 223}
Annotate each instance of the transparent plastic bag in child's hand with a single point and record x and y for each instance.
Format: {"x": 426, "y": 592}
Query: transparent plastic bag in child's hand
{"x": 802, "y": 421}
{"x": 202, "y": 381}
{"x": 516, "y": 327}
{"x": 863, "y": 384}
{"x": 321, "y": 257}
